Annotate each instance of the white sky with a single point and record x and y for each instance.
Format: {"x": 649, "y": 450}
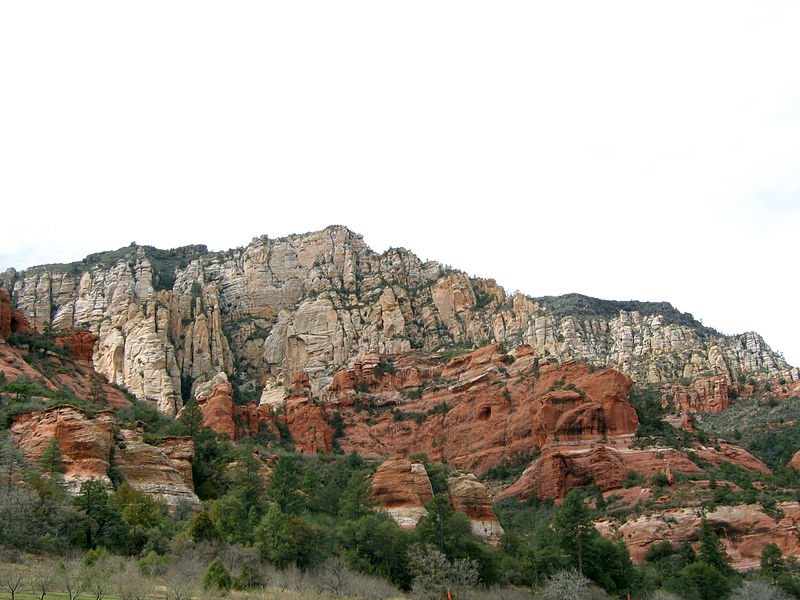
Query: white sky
{"x": 625, "y": 150}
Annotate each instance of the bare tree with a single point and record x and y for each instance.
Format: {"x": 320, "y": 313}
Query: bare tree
{"x": 182, "y": 578}
{"x": 566, "y": 585}
{"x": 42, "y": 580}
{"x": 12, "y": 578}
{"x": 96, "y": 579}
{"x": 70, "y": 577}
{"x": 663, "y": 595}
{"x": 759, "y": 590}
{"x": 434, "y": 574}
{"x": 130, "y": 585}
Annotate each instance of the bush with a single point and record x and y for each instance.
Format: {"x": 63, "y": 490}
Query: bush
{"x": 217, "y": 576}
{"x": 632, "y": 478}
{"x": 153, "y": 564}
{"x": 94, "y": 556}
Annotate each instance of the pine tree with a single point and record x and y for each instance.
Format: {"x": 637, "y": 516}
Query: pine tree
{"x": 192, "y": 417}
{"x": 52, "y": 461}
{"x": 283, "y": 484}
{"x": 217, "y": 576}
{"x": 712, "y": 551}
{"x": 573, "y": 525}
{"x": 356, "y": 501}
{"x": 274, "y": 538}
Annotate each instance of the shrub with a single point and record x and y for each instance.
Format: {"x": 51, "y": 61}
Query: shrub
{"x": 217, "y": 576}
{"x": 632, "y": 478}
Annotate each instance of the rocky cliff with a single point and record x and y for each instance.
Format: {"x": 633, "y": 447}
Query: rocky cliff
{"x": 169, "y": 321}
{"x": 89, "y": 445}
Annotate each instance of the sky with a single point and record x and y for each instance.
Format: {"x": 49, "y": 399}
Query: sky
{"x": 623, "y": 150}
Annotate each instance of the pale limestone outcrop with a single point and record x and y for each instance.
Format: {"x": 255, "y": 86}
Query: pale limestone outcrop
{"x": 318, "y": 301}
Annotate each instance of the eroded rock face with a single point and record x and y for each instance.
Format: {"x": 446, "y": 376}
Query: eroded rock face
{"x": 315, "y": 302}
{"x": 85, "y": 442}
{"x": 744, "y": 529}
{"x": 561, "y": 468}
{"x": 402, "y": 488}
{"x": 63, "y": 372}
{"x": 707, "y": 394}
{"x": 5, "y": 313}
{"x": 164, "y": 472}
{"x": 80, "y": 345}
{"x": 469, "y": 496}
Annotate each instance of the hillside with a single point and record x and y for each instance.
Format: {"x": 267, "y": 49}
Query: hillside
{"x": 308, "y": 403}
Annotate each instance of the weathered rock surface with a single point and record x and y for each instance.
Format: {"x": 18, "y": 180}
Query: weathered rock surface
{"x": 317, "y": 301}
{"x": 5, "y": 313}
{"x": 744, "y": 529}
{"x": 707, "y": 394}
{"x": 561, "y": 468}
{"x": 469, "y": 496}
{"x": 86, "y": 445}
{"x": 164, "y": 471}
{"x": 85, "y": 442}
{"x": 61, "y": 371}
{"x": 402, "y": 489}
{"x": 80, "y": 344}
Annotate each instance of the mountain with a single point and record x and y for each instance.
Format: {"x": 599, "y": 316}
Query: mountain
{"x": 168, "y": 321}
{"x": 356, "y": 370}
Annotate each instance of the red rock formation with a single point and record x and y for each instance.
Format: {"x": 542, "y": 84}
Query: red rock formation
{"x": 707, "y": 394}
{"x": 218, "y": 410}
{"x": 561, "y": 468}
{"x": 85, "y": 442}
{"x": 223, "y": 416}
{"x": 159, "y": 471}
{"x": 744, "y": 529}
{"x": 309, "y": 425}
{"x": 79, "y": 343}
{"x": 5, "y": 313}
{"x": 476, "y": 410}
{"x": 795, "y": 461}
{"x": 180, "y": 451}
{"x": 469, "y": 496}
{"x": 723, "y": 451}
{"x": 402, "y": 488}
{"x": 19, "y": 324}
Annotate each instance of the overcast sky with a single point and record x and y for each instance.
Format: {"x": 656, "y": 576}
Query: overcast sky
{"x": 625, "y": 150}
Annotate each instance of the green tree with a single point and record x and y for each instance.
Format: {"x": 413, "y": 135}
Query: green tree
{"x": 248, "y": 484}
{"x": 704, "y": 582}
{"x": 375, "y": 545}
{"x": 283, "y": 484}
{"x": 192, "y": 417}
{"x": 274, "y": 538}
{"x": 217, "y": 577}
{"x": 103, "y": 524}
{"x": 772, "y": 563}
{"x": 139, "y": 510}
{"x": 573, "y": 526}
{"x": 203, "y": 528}
{"x": 356, "y": 501}
{"x": 52, "y": 461}
{"x": 712, "y": 551}
{"x": 447, "y": 531}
